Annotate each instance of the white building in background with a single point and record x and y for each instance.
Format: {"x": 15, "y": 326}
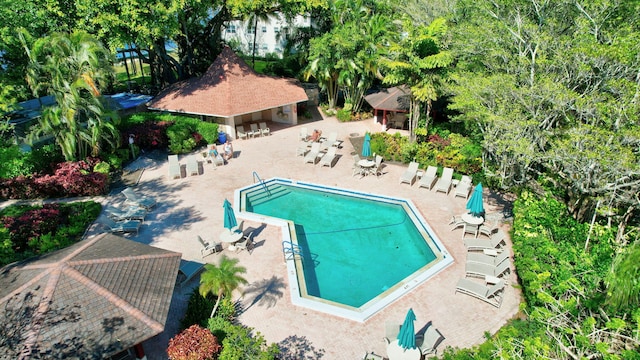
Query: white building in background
{"x": 270, "y": 37}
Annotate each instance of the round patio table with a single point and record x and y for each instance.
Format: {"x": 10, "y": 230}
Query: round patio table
{"x": 367, "y": 165}
{"x": 230, "y": 237}
{"x": 396, "y": 352}
{"x": 472, "y": 220}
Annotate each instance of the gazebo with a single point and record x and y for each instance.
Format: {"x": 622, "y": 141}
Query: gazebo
{"x": 90, "y": 300}
{"x": 390, "y": 106}
{"x": 232, "y": 93}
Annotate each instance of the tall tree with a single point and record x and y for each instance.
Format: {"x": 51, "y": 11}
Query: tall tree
{"x": 72, "y": 68}
{"x": 221, "y": 280}
{"x": 419, "y": 60}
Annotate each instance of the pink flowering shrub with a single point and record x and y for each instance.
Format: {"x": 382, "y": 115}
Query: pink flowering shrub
{"x": 194, "y": 343}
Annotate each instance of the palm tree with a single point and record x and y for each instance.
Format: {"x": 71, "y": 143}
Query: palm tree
{"x": 222, "y": 279}
{"x": 72, "y": 68}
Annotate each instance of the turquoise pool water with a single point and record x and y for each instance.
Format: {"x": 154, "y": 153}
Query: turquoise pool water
{"x": 354, "y": 247}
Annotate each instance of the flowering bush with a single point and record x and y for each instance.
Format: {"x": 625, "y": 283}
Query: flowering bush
{"x": 33, "y": 224}
{"x": 194, "y": 343}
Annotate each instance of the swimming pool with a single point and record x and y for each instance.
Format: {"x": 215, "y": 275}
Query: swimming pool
{"x": 348, "y": 253}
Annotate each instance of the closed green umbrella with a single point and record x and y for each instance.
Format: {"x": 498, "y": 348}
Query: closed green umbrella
{"x": 366, "y": 145}
{"x": 475, "y": 205}
{"x": 407, "y": 335}
{"x": 229, "y": 216}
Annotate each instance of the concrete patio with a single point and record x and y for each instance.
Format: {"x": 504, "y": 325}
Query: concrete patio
{"x": 192, "y": 206}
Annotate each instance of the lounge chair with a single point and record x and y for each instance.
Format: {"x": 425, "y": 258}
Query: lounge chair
{"x": 464, "y": 187}
{"x": 488, "y": 230}
{"x": 142, "y": 201}
{"x": 495, "y": 242}
{"x": 444, "y": 183}
{"x": 241, "y": 133}
{"x": 302, "y": 149}
{"x": 327, "y": 159}
{"x": 264, "y": 130}
{"x": 174, "y": 167}
{"x": 410, "y": 174}
{"x": 487, "y": 293}
{"x": 331, "y": 141}
{"x": 209, "y": 248}
{"x": 475, "y": 269}
{"x": 429, "y": 178}
{"x": 127, "y": 226}
{"x": 304, "y": 134}
{"x": 192, "y": 166}
{"x": 313, "y": 154}
{"x": 255, "y": 130}
{"x": 130, "y": 213}
{"x": 485, "y": 258}
{"x": 432, "y": 338}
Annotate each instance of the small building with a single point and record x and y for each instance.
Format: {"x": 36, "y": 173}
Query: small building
{"x": 231, "y": 93}
{"x": 390, "y": 106}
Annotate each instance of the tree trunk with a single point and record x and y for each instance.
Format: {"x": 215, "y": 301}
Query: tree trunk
{"x": 215, "y": 307}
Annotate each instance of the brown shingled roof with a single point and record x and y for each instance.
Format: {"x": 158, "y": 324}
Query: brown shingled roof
{"x": 88, "y": 301}
{"x": 392, "y": 99}
{"x": 228, "y": 88}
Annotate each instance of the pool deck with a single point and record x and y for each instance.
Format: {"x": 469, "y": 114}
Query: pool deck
{"x": 192, "y": 206}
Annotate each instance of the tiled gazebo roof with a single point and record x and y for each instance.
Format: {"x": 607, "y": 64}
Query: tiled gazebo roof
{"x": 90, "y": 300}
{"x": 229, "y": 87}
{"x": 391, "y": 99}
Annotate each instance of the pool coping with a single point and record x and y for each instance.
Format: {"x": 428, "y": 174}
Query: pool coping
{"x": 373, "y": 306}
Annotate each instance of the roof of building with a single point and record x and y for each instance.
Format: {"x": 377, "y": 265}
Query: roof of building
{"x": 392, "y": 99}
{"x": 90, "y": 300}
{"x": 229, "y": 87}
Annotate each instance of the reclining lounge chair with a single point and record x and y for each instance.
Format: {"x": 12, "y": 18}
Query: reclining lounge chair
{"x": 487, "y": 293}
{"x": 429, "y": 178}
{"x": 313, "y": 154}
{"x": 327, "y": 159}
{"x": 476, "y": 269}
{"x": 464, "y": 187}
{"x": 142, "y": 201}
{"x": 127, "y": 226}
{"x": 410, "y": 174}
{"x": 445, "y": 181}
{"x": 495, "y": 242}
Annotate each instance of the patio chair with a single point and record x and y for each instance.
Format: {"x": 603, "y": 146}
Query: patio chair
{"x": 410, "y": 174}
{"x": 174, "y": 167}
{"x": 130, "y": 213}
{"x": 264, "y": 130}
{"x": 377, "y": 170}
{"x": 238, "y": 228}
{"x": 209, "y": 248}
{"x": 304, "y": 134}
{"x": 372, "y": 356}
{"x": 495, "y": 242}
{"x": 246, "y": 243}
{"x": 432, "y": 338}
{"x": 255, "y": 130}
{"x": 487, "y": 293}
{"x": 142, "y": 201}
{"x": 241, "y": 133}
{"x": 192, "y": 166}
{"x": 313, "y": 154}
{"x": 445, "y": 181}
{"x": 486, "y": 258}
{"x": 456, "y": 222}
{"x": 464, "y": 187}
{"x": 327, "y": 159}
{"x": 429, "y": 178}
{"x": 475, "y": 269}
{"x": 126, "y": 226}
{"x": 470, "y": 229}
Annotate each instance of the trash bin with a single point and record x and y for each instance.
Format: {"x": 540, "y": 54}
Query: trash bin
{"x": 222, "y": 137}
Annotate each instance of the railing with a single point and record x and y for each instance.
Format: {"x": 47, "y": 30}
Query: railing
{"x": 289, "y": 248}
{"x": 264, "y": 186}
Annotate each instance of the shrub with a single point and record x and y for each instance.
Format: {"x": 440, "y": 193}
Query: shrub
{"x": 194, "y": 343}
{"x": 198, "y": 310}
{"x": 182, "y": 137}
{"x": 344, "y": 115}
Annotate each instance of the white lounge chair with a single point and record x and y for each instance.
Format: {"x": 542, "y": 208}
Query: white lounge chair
{"x": 192, "y": 166}
{"x": 127, "y": 226}
{"x": 241, "y": 133}
{"x": 410, "y": 174}
{"x": 174, "y": 167}
{"x": 264, "y": 130}
{"x": 209, "y": 248}
{"x": 495, "y": 242}
{"x": 327, "y": 159}
{"x": 485, "y": 258}
{"x": 432, "y": 338}
{"x": 313, "y": 154}
{"x": 304, "y": 134}
{"x": 130, "y": 213}
{"x": 302, "y": 149}
{"x": 464, "y": 187}
{"x": 142, "y": 201}
{"x": 444, "y": 183}
{"x": 331, "y": 141}
{"x": 255, "y": 130}
{"x": 429, "y": 178}
{"x": 488, "y": 230}
{"x": 475, "y": 269}
{"x": 487, "y": 293}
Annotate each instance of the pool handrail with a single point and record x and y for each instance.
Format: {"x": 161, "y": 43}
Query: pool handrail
{"x": 264, "y": 186}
